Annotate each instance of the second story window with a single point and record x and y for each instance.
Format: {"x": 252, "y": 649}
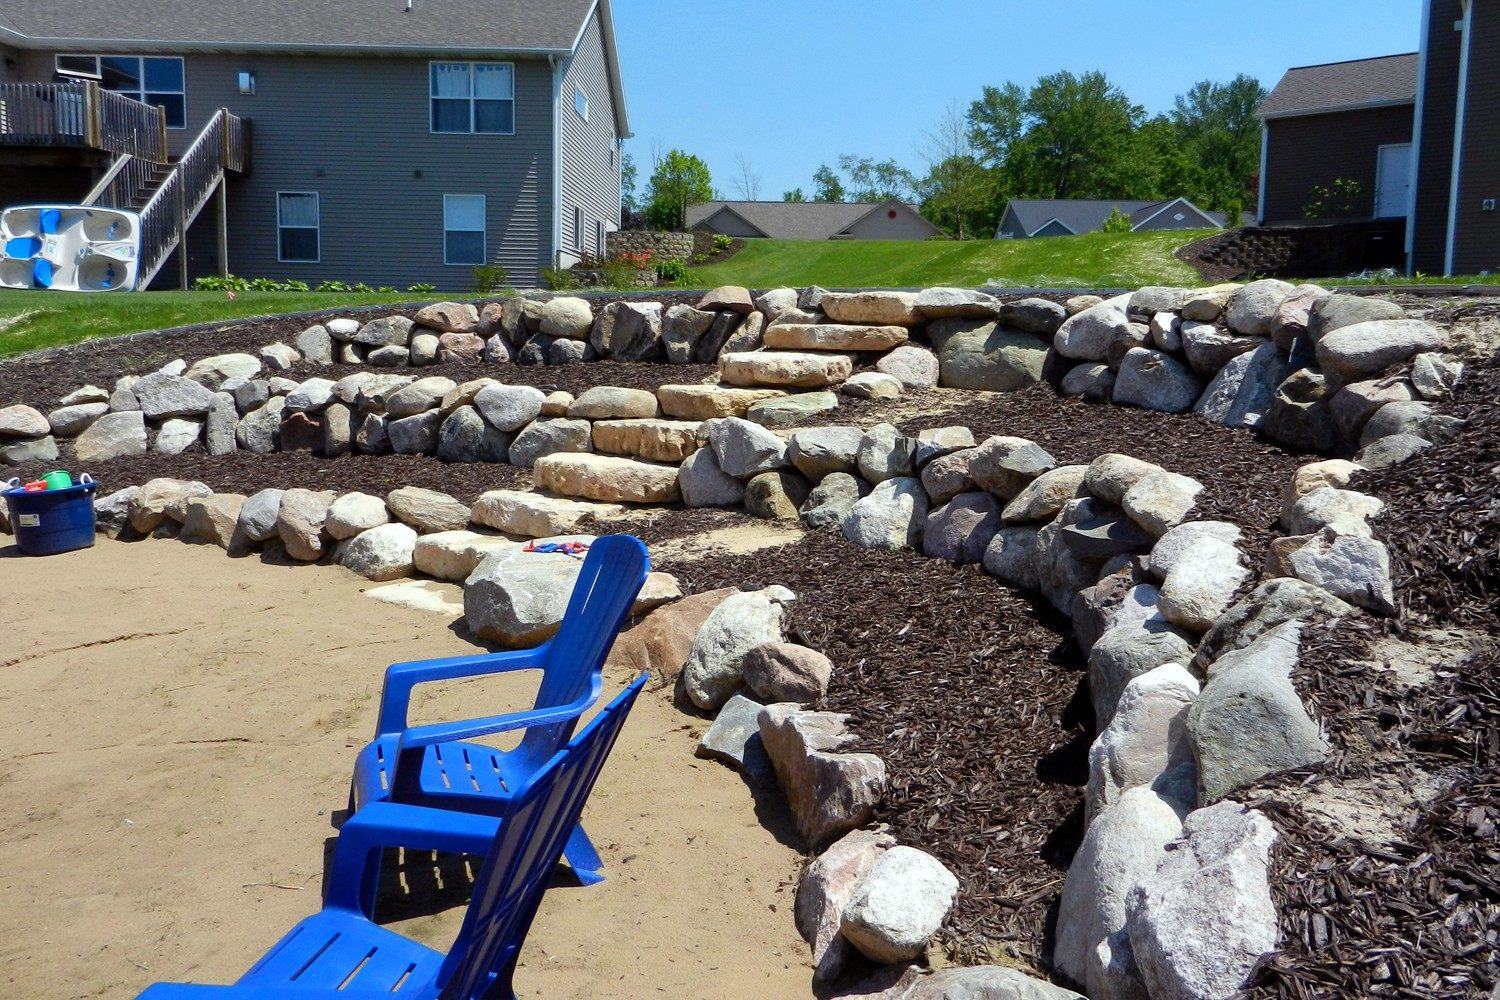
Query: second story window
{"x": 154, "y": 80}
{"x": 581, "y": 103}
{"x": 473, "y": 98}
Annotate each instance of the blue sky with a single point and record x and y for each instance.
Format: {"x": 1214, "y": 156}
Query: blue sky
{"x": 790, "y": 84}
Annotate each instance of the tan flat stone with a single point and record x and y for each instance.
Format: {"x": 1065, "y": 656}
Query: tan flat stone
{"x": 606, "y": 478}
{"x": 532, "y": 515}
{"x": 655, "y": 440}
{"x": 835, "y": 337}
{"x": 785, "y": 368}
{"x": 705, "y": 402}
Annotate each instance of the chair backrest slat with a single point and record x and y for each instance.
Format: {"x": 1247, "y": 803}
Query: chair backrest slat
{"x": 533, "y": 831}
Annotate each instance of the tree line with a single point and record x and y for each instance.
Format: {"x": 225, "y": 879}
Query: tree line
{"x": 1066, "y": 136}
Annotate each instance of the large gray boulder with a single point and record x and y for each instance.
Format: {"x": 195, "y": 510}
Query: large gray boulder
{"x": 914, "y": 367}
{"x": 1242, "y": 392}
{"x": 1347, "y": 510}
{"x": 1354, "y": 352}
{"x": 516, "y": 599}
{"x": 416, "y": 435}
{"x": 832, "y": 499}
{"x": 829, "y": 793}
{"x": 114, "y": 435}
{"x": 420, "y": 396}
{"x": 1087, "y": 335}
{"x": 1202, "y": 584}
{"x": 213, "y": 372}
{"x": 1355, "y": 569}
{"x": 259, "y": 513}
{"x": 1340, "y": 310}
{"x": 964, "y": 303}
{"x": 1160, "y": 501}
{"x": 1209, "y": 349}
{"x": 960, "y": 531}
{"x": 1253, "y": 308}
{"x": 387, "y": 331}
{"x": 900, "y": 905}
{"x": 1299, "y": 416}
{"x": 550, "y": 436}
{"x": 1146, "y": 739}
{"x": 299, "y": 523}
{"x": 819, "y": 451}
{"x": 891, "y": 517}
{"x": 464, "y": 436}
{"x": 1270, "y": 605}
{"x": 704, "y": 484}
{"x": 715, "y": 666}
{"x": 568, "y": 317}
{"x": 1031, "y": 315}
{"x": 745, "y": 448}
{"x": 628, "y": 331}
{"x": 1202, "y": 920}
{"x": 1415, "y": 418}
{"x": 946, "y": 476}
{"x": 974, "y": 354}
{"x": 682, "y": 328}
{"x": 70, "y": 421}
{"x": 1011, "y": 557}
{"x": 885, "y": 453}
{"x": 1006, "y": 465}
{"x": 1153, "y": 380}
{"x": 1249, "y": 721}
{"x": 1124, "y": 653}
{"x": 509, "y": 407}
{"x": 351, "y": 514}
{"x": 1044, "y": 497}
{"x": 828, "y": 883}
{"x": 1110, "y": 476}
{"x": 162, "y": 396}
{"x": 381, "y": 553}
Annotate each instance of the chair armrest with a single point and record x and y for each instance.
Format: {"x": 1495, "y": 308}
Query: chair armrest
{"x": 468, "y": 729}
{"x": 254, "y": 991}
{"x": 401, "y": 678}
{"x": 385, "y": 824}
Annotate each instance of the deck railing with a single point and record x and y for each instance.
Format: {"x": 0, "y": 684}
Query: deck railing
{"x": 222, "y": 145}
{"x": 81, "y": 115}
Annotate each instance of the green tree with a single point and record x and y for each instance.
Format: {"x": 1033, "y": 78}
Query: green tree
{"x": 1118, "y": 222}
{"x": 826, "y": 185}
{"x": 1077, "y": 144}
{"x": 680, "y": 180}
{"x": 1220, "y": 132}
{"x": 876, "y": 180}
{"x": 628, "y": 178}
{"x": 795, "y": 194}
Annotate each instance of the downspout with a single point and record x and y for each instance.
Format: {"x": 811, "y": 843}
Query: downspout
{"x": 1265, "y": 153}
{"x": 557, "y": 76}
{"x": 1458, "y": 138}
{"x": 1416, "y": 140}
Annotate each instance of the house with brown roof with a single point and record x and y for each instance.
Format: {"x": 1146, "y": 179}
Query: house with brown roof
{"x": 392, "y": 142}
{"x": 1417, "y": 132}
{"x": 891, "y": 219}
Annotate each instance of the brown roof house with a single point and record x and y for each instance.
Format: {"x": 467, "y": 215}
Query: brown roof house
{"x": 1418, "y": 132}
{"x": 812, "y": 220}
{"x": 386, "y": 141}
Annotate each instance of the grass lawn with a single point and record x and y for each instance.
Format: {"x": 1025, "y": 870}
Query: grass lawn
{"x": 1095, "y": 260}
{"x": 32, "y": 320}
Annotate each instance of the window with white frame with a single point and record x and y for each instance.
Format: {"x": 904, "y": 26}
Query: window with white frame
{"x": 463, "y": 229}
{"x": 581, "y": 103}
{"x": 297, "y": 227}
{"x": 577, "y": 228}
{"x": 600, "y": 238}
{"x": 473, "y": 98}
{"x": 155, "y": 80}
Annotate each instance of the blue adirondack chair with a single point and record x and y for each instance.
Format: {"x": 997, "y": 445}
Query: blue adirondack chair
{"x": 339, "y": 953}
{"x": 432, "y": 766}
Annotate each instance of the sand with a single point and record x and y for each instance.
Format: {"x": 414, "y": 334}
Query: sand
{"x": 179, "y": 733}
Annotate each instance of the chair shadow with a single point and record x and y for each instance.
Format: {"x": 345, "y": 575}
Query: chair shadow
{"x": 11, "y": 552}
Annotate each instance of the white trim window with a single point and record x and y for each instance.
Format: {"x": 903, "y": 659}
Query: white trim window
{"x": 472, "y": 98}
{"x": 463, "y": 229}
{"x": 298, "y": 227}
{"x": 156, "y": 80}
{"x": 577, "y": 228}
{"x": 581, "y": 103}
{"x": 601, "y": 237}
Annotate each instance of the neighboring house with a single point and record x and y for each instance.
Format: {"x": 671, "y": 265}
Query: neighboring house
{"x": 812, "y": 220}
{"x": 1339, "y": 121}
{"x": 380, "y": 141}
{"x": 1025, "y": 218}
{"x": 1437, "y": 105}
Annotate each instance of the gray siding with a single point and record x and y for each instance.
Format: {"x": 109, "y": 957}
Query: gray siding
{"x": 878, "y": 225}
{"x": 10, "y": 68}
{"x": 729, "y": 223}
{"x": 1315, "y": 150}
{"x": 591, "y": 170}
{"x": 1165, "y": 219}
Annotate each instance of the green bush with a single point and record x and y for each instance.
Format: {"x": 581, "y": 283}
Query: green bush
{"x": 1338, "y": 201}
{"x": 1118, "y": 222}
{"x": 386, "y": 290}
{"x": 215, "y": 283}
{"x": 671, "y": 270}
{"x": 361, "y": 287}
{"x": 265, "y": 285}
{"x": 421, "y": 288}
{"x": 294, "y": 285}
{"x": 559, "y": 278}
{"x": 489, "y": 278}
{"x": 333, "y": 286}
{"x": 722, "y": 242}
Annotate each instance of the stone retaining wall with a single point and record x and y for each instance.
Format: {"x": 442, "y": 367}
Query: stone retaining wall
{"x": 661, "y": 245}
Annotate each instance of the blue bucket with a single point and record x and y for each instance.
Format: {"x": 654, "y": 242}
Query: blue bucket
{"x": 52, "y": 521}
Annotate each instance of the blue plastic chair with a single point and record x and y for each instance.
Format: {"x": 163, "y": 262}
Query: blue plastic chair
{"x": 432, "y": 766}
{"x": 338, "y": 952}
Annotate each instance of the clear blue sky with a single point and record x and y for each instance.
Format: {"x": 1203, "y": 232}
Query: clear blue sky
{"x": 790, "y": 84}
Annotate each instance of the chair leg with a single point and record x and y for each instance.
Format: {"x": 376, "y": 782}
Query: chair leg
{"x": 582, "y": 857}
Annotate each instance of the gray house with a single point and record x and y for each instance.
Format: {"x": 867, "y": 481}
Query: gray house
{"x": 891, "y": 219}
{"x": 1025, "y": 218}
{"x": 384, "y": 141}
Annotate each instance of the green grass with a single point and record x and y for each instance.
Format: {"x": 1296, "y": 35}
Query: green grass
{"x": 32, "y": 320}
{"x": 1095, "y": 260}
{"x": 1418, "y": 279}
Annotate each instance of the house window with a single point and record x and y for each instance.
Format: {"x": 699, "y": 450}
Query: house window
{"x": 154, "y": 80}
{"x": 599, "y": 237}
{"x": 473, "y": 98}
{"x": 297, "y": 226}
{"x": 581, "y": 103}
{"x": 463, "y": 229}
{"x": 577, "y": 228}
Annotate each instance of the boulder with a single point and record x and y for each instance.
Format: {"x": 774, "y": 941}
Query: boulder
{"x": 660, "y": 643}
{"x": 371, "y": 435}
{"x": 1207, "y": 304}
{"x": 550, "y": 437}
{"x": 353, "y": 513}
{"x": 946, "y": 476}
{"x": 826, "y": 886}
{"x": 1040, "y": 317}
{"x": 945, "y": 303}
{"x": 315, "y": 344}
{"x": 1130, "y": 337}
{"x": 566, "y": 352}
{"x": 1270, "y": 605}
{"x": 725, "y": 326}
{"x": 773, "y": 302}
{"x": 299, "y": 522}
{"x": 1242, "y": 392}
{"x": 1299, "y": 416}
{"x": 744, "y": 448}
{"x": 990, "y": 982}
{"x": 381, "y": 553}
{"x": 462, "y": 347}
{"x": 1110, "y": 477}
{"x": 749, "y": 336}
{"x": 531, "y": 515}
{"x": 427, "y": 510}
{"x": 776, "y": 496}
{"x": 978, "y": 355}
{"x": 1154, "y": 299}
{"x": 111, "y": 512}
{"x": 934, "y": 442}
{"x": 714, "y": 668}
{"x": 651, "y": 439}
{"x": 1200, "y": 923}
{"x": 682, "y": 327}
{"x": 900, "y": 905}
{"x": 703, "y": 484}
{"x": 342, "y": 329}
{"x": 834, "y": 337}
{"x": 1435, "y": 376}
{"x": 1388, "y": 451}
{"x": 1087, "y": 335}
{"x": 1362, "y": 349}
{"x": 211, "y": 373}
{"x": 1091, "y": 381}
{"x": 1043, "y": 498}
{"x": 1166, "y": 331}
{"x": 278, "y": 357}
{"x": 1011, "y": 557}
{"x": 299, "y": 432}
{"x": 1122, "y": 847}
{"x": 791, "y": 411}
{"x": 603, "y": 402}
{"x": 1160, "y": 501}
{"x": 162, "y": 396}
{"x": 1347, "y": 510}
{"x": 369, "y": 390}
{"x": 832, "y": 499}
{"x": 387, "y": 331}
{"x": 1146, "y": 738}
{"x": 1289, "y": 322}
{"x": 819, "y": 451}
{"x": 1353, "y": 405}
{"x": 1209, "y": 349}
{"x": 1201, "y": 584}
{"x": 259, "y": 514}
{"x": 628, "y": 331}
{"x": 607, "y": 478}
{"x": 1335, "y": 472}
{"x": 704, "y": 402}
{"x": 416, "y": 435}
{"x": 420, "y": 396}
{"x": 1355, "y": 569}
{"x": 23, "y": 422}
{"x": 516, "y": 598}
{"x": 1340, "y": 310}
{"x": 464, "y": 436}
{"x": 160, "y": 498}
{"x": 785, "y": 368}
{"x": 20, "y": 451}
{"x": 177, "y": 435}
{"x": 1249, "y": 721}
{"x": 914, "y": 367}
{"x": 1252, "y": 309}
{"x": 885, "y": 453}
{"x": 871, "y": 307}
{"x": 871, "y": 385}
{"x": 556, "y": 404}
{"x": 734, "y": 739}
{"x": 1105, "y": 534}
{"x": 1078, "y": 303}
{"x": 70, "y": 421}
{"x": 1124, "y": 653}
{"x": 567, "y": 317}
{"x": 214, "y": 520}
{"x": 453, "y": 555}
{"x": 1006, "y": 465}
{"x": 85, "y": 394}
{"x": 730, "y": 298}
{"x": 449, "y": 317}
{"x": 221, "y": 424}
{"x": 829, "y": 793}
{"x": 891, "y": 517}
{"x": 785, "y": 672}
{"x": 114, "y": 435}
{"x": 1173, "y": 546}
{"x": 1415, "y": 418}
{"x": 961, "y": 530}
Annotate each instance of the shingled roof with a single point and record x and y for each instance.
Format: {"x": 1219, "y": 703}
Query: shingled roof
{"x": 1085, "y": 215}
{"x": 791, "y": 220}
{"x": 541, "y": 26}
{"x": 1344, "y": 86}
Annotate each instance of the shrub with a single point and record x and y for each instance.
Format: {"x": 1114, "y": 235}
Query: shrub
{"x": 265, "y": 285}
{"x": 216, "y": 283}
{"x": 721, "y": 242}
{"x": 332, "y": 286}
{"x": 489, "y": 278}
{"x": 1118, "y": 222}
{"x": 559, "y": 278}
{"x": 671, "y": 270}
{"x": 294, "y": 285}
{"x": 1340, "y": 200}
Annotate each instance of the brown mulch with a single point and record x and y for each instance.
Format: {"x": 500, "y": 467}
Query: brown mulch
{"x": 1419, "y": 917}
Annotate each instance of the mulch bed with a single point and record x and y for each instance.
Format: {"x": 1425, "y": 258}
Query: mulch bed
{"x": 1419, "y": 917}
